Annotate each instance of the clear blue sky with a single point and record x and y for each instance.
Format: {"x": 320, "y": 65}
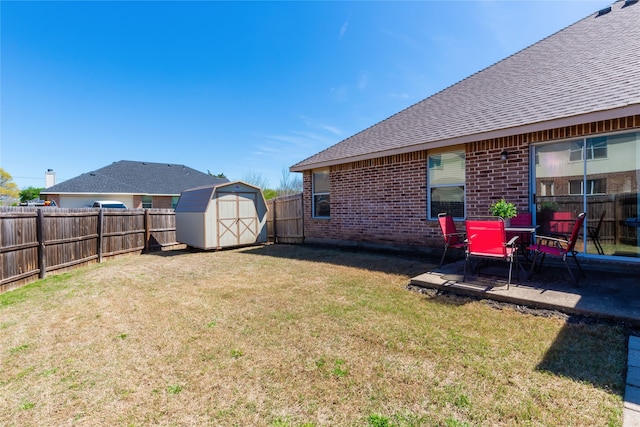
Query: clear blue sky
{"x": 243, "y": 88}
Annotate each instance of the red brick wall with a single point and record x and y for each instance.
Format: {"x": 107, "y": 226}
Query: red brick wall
{"x": 162, "y": 202}
{"x": 137, "y": 202}
{"x": 383, "y": 201}
{"x": 489, "y": 178}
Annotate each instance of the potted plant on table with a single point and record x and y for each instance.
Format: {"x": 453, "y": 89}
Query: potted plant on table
{"x": 505, "y": 210}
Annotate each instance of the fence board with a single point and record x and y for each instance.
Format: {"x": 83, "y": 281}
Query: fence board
{"x": 18, "y": 247}
{"x": 162, "y": 229}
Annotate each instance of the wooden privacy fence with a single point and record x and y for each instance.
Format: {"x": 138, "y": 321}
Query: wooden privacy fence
{"x": 616, "y": 207}
{"x": 285, "y": 219}
{"x": 34, "y": 241}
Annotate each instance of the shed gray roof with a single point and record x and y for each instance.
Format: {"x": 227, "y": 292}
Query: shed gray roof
{"x": 198, "y": 199}
{"x": 130, "y": 177}
{"x": 588, "y": 71}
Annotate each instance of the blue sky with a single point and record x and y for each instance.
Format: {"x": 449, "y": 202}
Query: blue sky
{"x": 242, "y": 88}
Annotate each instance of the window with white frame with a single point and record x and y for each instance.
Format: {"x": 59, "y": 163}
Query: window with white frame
{"x": 596, "y": 149}
{"x": 547, "y": 188}
{"x": 594, "y": 186}
{"x": 147, "y": 202}
{"x": 321, "y": 199}
{"x": 446, "y": 183}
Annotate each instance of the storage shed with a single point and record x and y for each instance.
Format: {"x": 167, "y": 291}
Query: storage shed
{"x": 223, "y": 215}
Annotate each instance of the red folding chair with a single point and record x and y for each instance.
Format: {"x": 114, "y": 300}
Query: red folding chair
{"x": 562, "y": 248}
{"x": 452, "y": 239}
{"x": 487, "y": 239}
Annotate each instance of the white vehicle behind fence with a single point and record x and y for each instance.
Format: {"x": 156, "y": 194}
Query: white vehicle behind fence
{"x": 111, "y": 204}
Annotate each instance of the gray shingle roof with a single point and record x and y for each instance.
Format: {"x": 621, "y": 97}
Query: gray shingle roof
{"x": 588, "y": 68}
{"x": 129, "y": 177}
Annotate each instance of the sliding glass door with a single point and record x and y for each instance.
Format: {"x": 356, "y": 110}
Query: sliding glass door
{"x": 599, "y": 176}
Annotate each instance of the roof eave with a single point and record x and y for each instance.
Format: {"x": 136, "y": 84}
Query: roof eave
{"x": 90, "y": 193}
{"x": 629, "y": 110}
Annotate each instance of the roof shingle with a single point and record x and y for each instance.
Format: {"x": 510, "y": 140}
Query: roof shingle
{"x": 130, "y": 177}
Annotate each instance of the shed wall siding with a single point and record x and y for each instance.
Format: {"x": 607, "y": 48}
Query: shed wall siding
{"x": 383, "y": 201}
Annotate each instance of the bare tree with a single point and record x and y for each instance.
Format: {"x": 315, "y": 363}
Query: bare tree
{"x": 256, "y": 178}
{"x": 289, "y": 184}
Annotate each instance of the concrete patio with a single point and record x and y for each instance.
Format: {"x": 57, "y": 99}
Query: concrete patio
{"x": 610, "y": 291}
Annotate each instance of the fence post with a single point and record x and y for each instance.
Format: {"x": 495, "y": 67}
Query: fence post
{"x": 42, "y": 257}
{"x": 100, "y": 233}
{"x": 147, "y": 230}
{"x": 275, "y": 221}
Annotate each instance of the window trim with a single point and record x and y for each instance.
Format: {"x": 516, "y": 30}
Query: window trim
{"x": 440, "y": 166}
{"x": 314, "y": 194}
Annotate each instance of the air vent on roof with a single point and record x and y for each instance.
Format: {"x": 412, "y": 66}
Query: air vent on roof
{"x": 629, "y": 3}
{"x": 604, "y": 11}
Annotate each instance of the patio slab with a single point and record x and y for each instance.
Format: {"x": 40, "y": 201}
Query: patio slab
{"x": 609, "y": 291}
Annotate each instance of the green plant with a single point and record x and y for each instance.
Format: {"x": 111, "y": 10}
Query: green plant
{"x": 174, "y": 389}
{"x": 548, "y": 206}
{"x": 503, "y": 209}
{"x": 27, "y": 405}
{"x": 376, "y": 420}
{"x": 340, "y": 370}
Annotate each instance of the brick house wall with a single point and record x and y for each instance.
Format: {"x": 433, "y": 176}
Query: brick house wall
{"x": 383, "y": 201}
{"x": 162, "y": 202}
{"x": 158, "y": 202}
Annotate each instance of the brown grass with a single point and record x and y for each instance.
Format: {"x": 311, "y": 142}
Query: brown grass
{"x": 291, "y": 336}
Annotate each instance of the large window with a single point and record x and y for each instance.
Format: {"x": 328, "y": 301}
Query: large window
{"x": 599, "y": 176}
{"x": 446, "y": 182}
{"x": 321, "y": 201}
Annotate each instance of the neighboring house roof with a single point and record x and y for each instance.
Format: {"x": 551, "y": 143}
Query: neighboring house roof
{"x": 129, "y": 177}
{"x": 586, "y": 72}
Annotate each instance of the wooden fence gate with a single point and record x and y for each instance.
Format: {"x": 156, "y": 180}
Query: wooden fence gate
{"x": 285, "y": 219}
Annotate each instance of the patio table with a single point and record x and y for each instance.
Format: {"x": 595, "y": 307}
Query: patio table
{"x": 522, "y": 229}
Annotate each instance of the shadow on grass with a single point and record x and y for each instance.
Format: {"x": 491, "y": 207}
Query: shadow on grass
{"x": 393, "y": 262}
{"x": 589, "y": 351}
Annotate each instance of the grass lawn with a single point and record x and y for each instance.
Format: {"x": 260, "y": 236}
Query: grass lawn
{"x": 291, "y": 336}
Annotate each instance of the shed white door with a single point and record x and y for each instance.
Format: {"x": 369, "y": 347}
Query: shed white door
{"x": 237, "y": 219}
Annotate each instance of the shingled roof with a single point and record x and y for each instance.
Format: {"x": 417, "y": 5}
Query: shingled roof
{"x": 586, "y": 72}
{"x": 129, "y": 177}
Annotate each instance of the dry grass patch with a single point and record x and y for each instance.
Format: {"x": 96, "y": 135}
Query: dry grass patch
{"x": 291, "y": 336}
